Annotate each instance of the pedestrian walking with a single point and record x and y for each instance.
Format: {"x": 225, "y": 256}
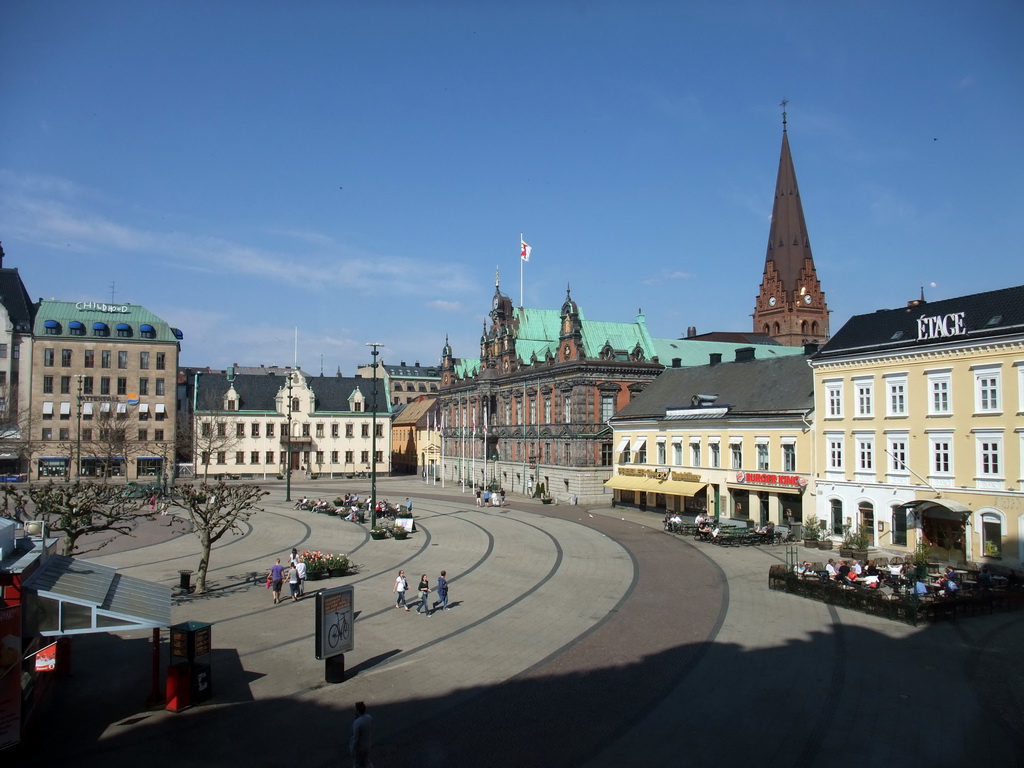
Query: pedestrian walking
{"x": 362, "y": 738}
{"x": 478, "y": 497}
{"x": 301, "y": 568}
{"x": 293, "y": 558}
{"x": 487, "y": 498}
{"x": 424, "y": 590}
{"x": 275, "y": 576}
{"x": 293, "y": 582}
{"x": 442, "y": 593}
{"x": 152, "y": 503}
{"x": 401, "y": 585}
{"x": 408, "y": 505}
{"x": 503, "y": 497}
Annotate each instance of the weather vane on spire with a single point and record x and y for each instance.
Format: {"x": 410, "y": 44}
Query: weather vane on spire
{"x": 497, "y": 277}
{"x": 783, "y": 104}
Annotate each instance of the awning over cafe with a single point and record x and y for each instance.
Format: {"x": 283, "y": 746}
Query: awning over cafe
{"x": 940, "y": 509}
{"x": 77, "y": 597}
{"x": 652, "y": 485}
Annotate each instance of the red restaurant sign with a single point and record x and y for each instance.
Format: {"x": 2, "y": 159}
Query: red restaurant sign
{"x": 764, "y": 478}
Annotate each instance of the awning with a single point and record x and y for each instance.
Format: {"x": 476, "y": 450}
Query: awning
{"x": 941, "y": 509}
{"x": 623, "y": 443}
{"x": 625, "y": 483}
{"x": 87, "y": 409}
{"x": 651, "y": 485}
{"x": 640, "y": 443}
{"x": 122, "y": 407}
{"x": 78, "y": 597}
{"x": 146, "y": 328}
{"x": 160, "y": 407}
{"x": 51, "y": 324}
{"x": 677, "y": 487}
{"x": 660, "y": 439}
{"x": 47, "y": 408}
{"x": 143, "y": 407}
{"x": 123, "y": 327}
{"x": 76, "y": 326}
{"x": 65, "y": 409}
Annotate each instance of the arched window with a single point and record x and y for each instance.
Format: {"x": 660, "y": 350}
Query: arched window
{"x": 295, "y": 404}
{"x": 899, "y": 525}
{"x": 814, "y": 328}
{"x": 866, "y": 513}
{"x": 775, "y": 329}
{"x": 991, "y": 534}
{"x": 836, "y": 516}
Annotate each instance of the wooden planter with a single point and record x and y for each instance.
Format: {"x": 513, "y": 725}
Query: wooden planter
{"x": 546, "y": 501}
{"x": 378, "y": 536}
{"x": 811, "y": 543}
{"x": 400, "y": 534}
{"x": 825, "y": 544}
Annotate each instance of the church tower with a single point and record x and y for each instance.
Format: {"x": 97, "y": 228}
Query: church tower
{"x": 791, "y": 306}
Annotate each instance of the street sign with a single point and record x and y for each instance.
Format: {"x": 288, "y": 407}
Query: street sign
{"x": 335, "y": 621}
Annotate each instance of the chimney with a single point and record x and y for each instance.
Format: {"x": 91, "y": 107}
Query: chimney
{"x": 403, "y": 363}
{"x": 810, "y": 348}
{"x": 691, "y": 332}
{"x": 677, "y": 362}
{"x": 744, "y": 353}
{"x": 716, "y": 358}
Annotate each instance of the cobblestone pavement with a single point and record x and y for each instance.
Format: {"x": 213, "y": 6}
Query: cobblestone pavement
{"x": 577, "y": 637}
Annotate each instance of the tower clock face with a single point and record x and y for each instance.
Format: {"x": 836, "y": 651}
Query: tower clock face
{"x": 771, "y": 301}
{"x": 807, "y": 298}
{"x": 494, "y": 304}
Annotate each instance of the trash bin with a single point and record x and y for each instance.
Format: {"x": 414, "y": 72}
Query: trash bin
{"x": 185, "y": 579}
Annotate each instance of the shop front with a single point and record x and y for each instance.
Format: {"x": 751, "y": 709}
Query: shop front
{"x": 657, "y": 489}
{"x": 109, "y": 466}
{"x": 763, "y": 497}
{"x": 53, "y": 467}
{"x": 150, "y": 466}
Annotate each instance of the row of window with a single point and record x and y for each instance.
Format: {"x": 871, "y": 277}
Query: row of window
{"x": 77, "y": 328}
{"x": 987, "y": 393}
{"x": 271, "y": 458}
{"x": 89, "y": 385}
{"x": 421, "y": 387}
{"x": 64, "y": 434}
{"x": 107, "y": 357}
{"x": 116, "y": 410}
{"x": 15, "y": 351}
{"x": 270, "y": 429}
{"x": 988, "y": 453}
{"x": 465, "y": 416}
{"x": 638, "y": 454}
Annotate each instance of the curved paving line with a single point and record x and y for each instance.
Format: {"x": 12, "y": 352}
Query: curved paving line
{"x": 833, "y": 696}
{"x": 540, "y": 583}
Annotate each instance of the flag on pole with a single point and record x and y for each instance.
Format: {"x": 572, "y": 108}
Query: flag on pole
{"x": 524, "y": 250}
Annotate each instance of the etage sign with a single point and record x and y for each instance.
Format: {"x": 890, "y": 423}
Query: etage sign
{"x": 941, "y": 326}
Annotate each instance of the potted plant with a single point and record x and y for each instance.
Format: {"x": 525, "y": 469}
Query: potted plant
{"x": 859, "y": 544}
{"x": 824, "y": 542}
{"x": 316, "y": 564}
{"x": 811, "y": 532}
{"x": 378, "y": 533}
{"x": 337, "y": 564}
{"x": 398, "y": 532}
{"x": 846, "y": 547}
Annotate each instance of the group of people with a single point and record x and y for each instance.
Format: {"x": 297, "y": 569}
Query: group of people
{"x": 490, "y": 498}
{"x": 424, "y": 606}
{"x": 295, "y": 573}
{"x": 850, "y": 573}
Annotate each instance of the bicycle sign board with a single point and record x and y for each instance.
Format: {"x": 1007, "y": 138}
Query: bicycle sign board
{"x": 335, "y": 621}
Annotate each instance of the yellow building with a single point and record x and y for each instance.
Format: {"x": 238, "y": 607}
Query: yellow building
{"x": 920, "y": 427}
{"x": 732, "y": 439}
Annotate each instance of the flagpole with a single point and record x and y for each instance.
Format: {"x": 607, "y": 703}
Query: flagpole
{"x": 521, "y": 241}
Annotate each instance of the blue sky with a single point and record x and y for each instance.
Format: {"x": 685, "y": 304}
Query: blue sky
{"x": 358, "y": 170}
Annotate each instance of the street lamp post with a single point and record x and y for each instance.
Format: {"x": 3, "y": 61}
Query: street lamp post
{"x": 78, "y": 437}
{"x": 373, "y": 437}
{"x": 288, "y": 446}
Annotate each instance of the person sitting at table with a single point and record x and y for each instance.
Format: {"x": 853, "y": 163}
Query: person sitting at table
{"x": 843, "y": 573}
{"x": 985, "y": 577}
{"x": 804, "y": 569}
{"x": 920, "y": 588}
{"x": 715, "y": 532}
{"x": 872, "y": 569}
{"x": 947, "y": 582}
{"x": 855, "y": 566}
{"x": 829, "y": 574}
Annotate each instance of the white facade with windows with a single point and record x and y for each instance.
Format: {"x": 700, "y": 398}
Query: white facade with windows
{"x": 942, "y": 462}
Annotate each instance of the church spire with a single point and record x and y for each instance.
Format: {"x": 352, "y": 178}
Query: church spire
{"x": 791, "y": 305}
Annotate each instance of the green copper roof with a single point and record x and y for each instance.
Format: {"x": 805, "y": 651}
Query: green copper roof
{"x": 89, "y": 312}
{"x": 699, "y": 352}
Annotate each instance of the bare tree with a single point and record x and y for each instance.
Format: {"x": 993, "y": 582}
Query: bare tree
{"x": 77, "y": 509}
{"x": 216, "y": 509}
{"x": 216, "y": 431}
